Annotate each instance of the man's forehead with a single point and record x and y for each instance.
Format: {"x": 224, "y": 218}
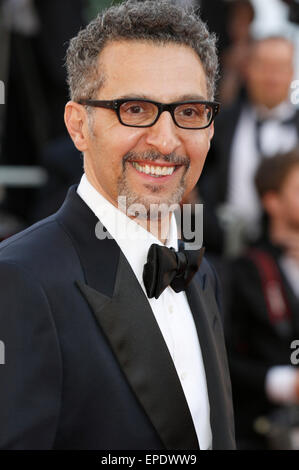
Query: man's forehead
{"x": 147, "y": 68}
{"x": 124, "y": 46}
{"x": 143, "y": 96}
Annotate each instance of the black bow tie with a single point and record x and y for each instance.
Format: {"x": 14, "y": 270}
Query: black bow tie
{"x": 165, "y": 267}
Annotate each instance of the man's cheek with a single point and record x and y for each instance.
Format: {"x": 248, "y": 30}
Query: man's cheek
{"x": 194, "y": 172}
{"x": 198, "y": 151}
{"x": 129, "y": 135}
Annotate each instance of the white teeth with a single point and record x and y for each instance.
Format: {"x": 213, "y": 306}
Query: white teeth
{"x": 154, "y": 170}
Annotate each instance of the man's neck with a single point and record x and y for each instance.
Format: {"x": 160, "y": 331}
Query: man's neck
{"x": 158, "y": 227}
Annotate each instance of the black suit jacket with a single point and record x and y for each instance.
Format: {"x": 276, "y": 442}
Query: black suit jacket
{"x": 86, "y": 366}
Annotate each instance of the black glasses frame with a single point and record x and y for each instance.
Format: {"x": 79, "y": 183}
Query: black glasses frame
{"x": 170, "y": 107}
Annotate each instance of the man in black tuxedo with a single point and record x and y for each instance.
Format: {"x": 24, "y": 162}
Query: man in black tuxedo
{"x": 99, "y": 353}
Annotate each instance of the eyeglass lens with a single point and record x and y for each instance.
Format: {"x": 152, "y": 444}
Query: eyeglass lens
{"x": 142, "y": 113}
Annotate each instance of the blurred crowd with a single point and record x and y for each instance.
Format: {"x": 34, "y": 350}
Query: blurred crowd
{"x": 249, "y": 186}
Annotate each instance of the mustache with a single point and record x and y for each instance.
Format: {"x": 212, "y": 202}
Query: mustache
{"x": 152, "y": 156}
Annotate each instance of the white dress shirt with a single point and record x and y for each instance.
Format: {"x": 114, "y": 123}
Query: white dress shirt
{"x": 171, "y": 309}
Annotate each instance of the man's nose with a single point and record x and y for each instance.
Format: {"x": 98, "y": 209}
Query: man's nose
{"x": 164, "y": 134}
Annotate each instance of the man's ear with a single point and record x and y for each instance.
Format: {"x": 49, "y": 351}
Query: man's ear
{"x": 75, "y": 119}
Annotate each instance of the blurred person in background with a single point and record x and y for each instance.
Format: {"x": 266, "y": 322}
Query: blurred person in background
{"x": 234, "y": 57}
{"x": 264, "y": 307}
{"x": 34, "y": 46}
{"x": 232, "y": 26}
{"x": 263, "y": 122}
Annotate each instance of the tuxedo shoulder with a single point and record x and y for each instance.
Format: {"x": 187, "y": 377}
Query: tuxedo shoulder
{"x": 38, "y": 248}
{"x": 207, "y": 269}
{"x": 207, "y": 275}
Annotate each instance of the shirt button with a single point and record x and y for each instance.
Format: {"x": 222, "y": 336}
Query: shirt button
{"x": 170, "y": 309}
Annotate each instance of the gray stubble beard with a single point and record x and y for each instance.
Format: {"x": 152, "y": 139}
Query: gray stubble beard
{"x": 156, "y": 208}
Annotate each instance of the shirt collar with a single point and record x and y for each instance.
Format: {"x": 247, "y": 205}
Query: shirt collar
{"x": 133, "y": 240}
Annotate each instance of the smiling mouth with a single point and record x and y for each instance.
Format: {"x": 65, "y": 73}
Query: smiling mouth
{"x": 155, "y": 170}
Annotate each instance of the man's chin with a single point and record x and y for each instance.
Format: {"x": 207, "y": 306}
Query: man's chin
{"x": 148, "y": 208}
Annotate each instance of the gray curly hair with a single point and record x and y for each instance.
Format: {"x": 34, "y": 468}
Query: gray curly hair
{"x": 159, "y": 21}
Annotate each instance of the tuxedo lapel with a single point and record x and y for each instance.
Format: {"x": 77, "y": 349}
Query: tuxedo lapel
{"x": 126, "y": 319}
{"x": 136, "y": 340}
{"x": 201, "y": 298}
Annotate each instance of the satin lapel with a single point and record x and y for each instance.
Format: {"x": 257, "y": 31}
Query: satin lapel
{"x": 204, "y": 308}
{"x": 136, "y": 340}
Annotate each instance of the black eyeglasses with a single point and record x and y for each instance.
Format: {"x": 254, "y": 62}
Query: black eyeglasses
{"x": 145, "y": 113}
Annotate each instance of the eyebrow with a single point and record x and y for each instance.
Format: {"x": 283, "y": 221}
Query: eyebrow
{"x": 186, "y": 97}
